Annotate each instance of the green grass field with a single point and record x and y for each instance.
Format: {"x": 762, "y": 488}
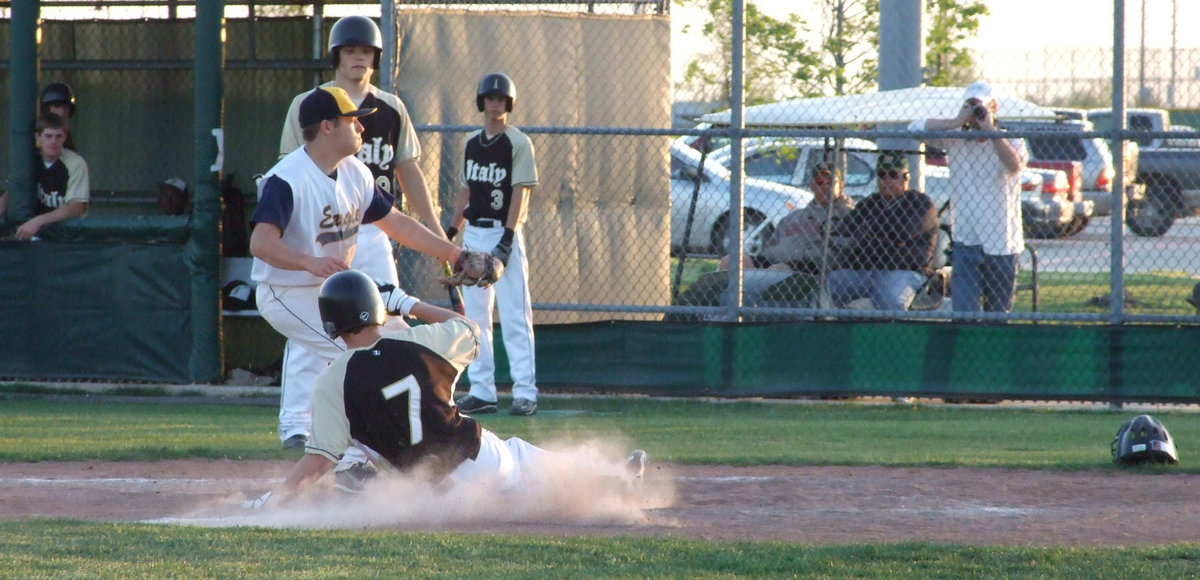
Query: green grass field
{"x": 676, "y": 431}
{"x": 1159, "y": 293}
{"x": 1154, "y": 293}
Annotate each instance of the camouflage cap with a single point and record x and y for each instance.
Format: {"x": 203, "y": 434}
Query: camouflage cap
{"x": 892, "y": 160}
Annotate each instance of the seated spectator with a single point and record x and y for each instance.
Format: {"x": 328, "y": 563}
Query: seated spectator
{"x": 62, "y": 179}
{"x": 894, "y": 233}
{"x": 799, "y": 240}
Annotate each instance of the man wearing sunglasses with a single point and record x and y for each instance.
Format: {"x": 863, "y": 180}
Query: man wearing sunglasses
{"x": 894, "y": 232}
{"x": 985, "y": 203}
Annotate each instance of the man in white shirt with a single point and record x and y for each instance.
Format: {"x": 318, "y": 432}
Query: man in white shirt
{"x": 985, "y": 203}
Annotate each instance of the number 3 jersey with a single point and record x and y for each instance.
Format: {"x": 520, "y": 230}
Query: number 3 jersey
{"x": 397, "y": 398}
{"x": 491, "y": 167}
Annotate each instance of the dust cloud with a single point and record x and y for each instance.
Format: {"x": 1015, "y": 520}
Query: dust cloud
{"x": 583, "y": 483}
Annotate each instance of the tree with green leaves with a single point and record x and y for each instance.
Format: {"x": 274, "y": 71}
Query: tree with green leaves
{"x": 850, "y": 47}
{"x": 776, "y": 56}
{"x": 779, "y": 63}
{"x": 947, "y": 62}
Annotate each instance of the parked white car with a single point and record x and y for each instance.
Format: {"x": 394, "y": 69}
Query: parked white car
{"x": 1046, "y": 212}
{"x": 765, "y": 204}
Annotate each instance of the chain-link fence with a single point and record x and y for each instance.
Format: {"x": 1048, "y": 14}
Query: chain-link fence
{"x": 631, "y": 218}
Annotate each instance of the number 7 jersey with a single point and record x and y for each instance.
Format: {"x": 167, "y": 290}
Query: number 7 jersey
{"x": 397, "y": 398}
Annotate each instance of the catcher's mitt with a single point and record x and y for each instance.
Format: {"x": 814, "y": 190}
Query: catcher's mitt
{"x": 474, "y": 269}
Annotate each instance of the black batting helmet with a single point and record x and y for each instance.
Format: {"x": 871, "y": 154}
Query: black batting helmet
{"x": 349, "y": 300}
{"x": 1143, "y": 439}
{"x": 58, "y": 94}
{"x": 496, "y": 84}
{"x": 354, "y": 31}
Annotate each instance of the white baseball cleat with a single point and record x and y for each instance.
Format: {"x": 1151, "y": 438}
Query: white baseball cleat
{"x": 635, "y": 464}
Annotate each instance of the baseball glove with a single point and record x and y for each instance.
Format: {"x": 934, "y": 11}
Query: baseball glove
{"x": 474, "y": 269}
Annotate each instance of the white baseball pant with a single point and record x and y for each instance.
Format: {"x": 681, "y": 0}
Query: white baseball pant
{"x": 510, "y": 295}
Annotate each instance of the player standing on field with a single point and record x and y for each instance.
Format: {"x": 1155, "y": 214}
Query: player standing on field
{"x": 496, "y": 177}
{"x": 391, "y": 150}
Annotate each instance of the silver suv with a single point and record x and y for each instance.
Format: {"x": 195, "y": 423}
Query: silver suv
{"x": 1058, "y": 143}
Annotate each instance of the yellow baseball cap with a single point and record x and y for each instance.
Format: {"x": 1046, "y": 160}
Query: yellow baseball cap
{"x": 326, "y": 103}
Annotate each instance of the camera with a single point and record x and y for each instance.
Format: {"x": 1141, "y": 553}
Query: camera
{"x": 979, "y": 111}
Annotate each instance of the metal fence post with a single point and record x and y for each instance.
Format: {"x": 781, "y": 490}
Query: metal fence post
{"x": 22, "y": 102}
{"x": 1117, "y": 257}
{"x": 204, "y": 244}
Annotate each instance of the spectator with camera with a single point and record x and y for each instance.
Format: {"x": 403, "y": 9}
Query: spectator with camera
{"x": 985, "y": 203}
{"x": 894, "y": 232}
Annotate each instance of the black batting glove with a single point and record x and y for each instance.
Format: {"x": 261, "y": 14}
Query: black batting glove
{"x": 504, "y": 249}
{"x": 451, "y": 232}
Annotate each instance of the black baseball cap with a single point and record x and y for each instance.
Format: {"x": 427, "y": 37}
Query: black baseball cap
{"x": 326, "y": 103}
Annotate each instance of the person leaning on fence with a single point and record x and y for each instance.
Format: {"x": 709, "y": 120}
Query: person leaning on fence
{"x": 985, "y": 203}
{"x": 63, "y": 188}
{"x": 894, "y": 232}
{"x": 798, "y": 243}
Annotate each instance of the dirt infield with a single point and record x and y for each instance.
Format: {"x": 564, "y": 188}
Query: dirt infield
{"x": 806, "y": 504}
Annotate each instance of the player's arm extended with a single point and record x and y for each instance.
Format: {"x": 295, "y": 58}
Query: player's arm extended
{"x": 310, "y": 468}
{"x": 266, "y": 244}
{"x": 416, "y": 194}
{"x": 426, "y": 312}
{"x": 411, "y": 233}
{"x": 67, "y": 211}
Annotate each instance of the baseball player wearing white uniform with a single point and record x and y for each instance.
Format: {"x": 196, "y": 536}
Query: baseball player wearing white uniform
{"x": 311, "y": 205}
{"x": 392, "y": 396}
{"x": 390, "y": 149}
{"x": 496, "y": 177}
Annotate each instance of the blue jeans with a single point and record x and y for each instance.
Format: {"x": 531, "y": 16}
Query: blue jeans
{"x": 978, "y": 275}
{"x": 887, "y": 289}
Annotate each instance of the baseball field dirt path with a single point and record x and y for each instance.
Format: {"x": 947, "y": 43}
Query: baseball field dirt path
{"x": 819, "y": 505}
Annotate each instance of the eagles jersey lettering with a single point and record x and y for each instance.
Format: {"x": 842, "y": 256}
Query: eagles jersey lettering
{"x": 64, "y": 181}
{"x": 491, "y": 167}
{"x": 318, "y": 214}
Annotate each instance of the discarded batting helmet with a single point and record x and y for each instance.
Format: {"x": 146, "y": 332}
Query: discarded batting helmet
{"x": 1143, "y": 439}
